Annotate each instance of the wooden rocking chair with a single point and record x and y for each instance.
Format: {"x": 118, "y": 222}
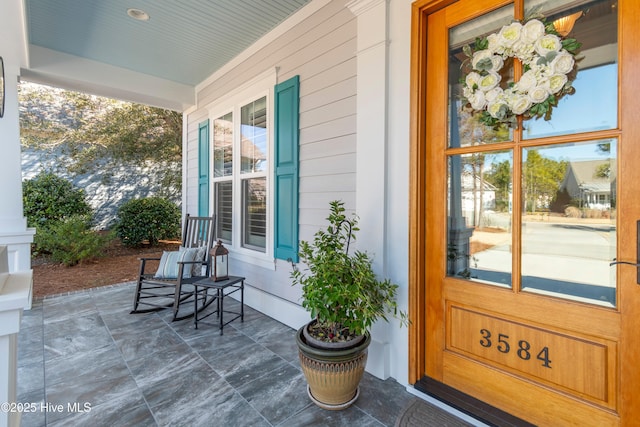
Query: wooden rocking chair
{"x": 172, "y": 282}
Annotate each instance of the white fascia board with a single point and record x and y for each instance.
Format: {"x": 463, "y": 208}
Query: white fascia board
{"x": 74, "y": 73}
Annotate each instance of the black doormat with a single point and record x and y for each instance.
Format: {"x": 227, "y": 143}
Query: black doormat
{"x": 419, "y": 413}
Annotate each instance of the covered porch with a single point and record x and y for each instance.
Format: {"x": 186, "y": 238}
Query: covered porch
{"x": 87, "y": 361}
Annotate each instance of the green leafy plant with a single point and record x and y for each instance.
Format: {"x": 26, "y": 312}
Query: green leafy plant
{"x": 147, "y": 221}
{"x": 48, "y": 198}
{"x": 70, "y": 240}
{"x": 340, "y": 289}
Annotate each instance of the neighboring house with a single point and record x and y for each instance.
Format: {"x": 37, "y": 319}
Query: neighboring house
{"x": 592, "y": 183}
{"x": 478, "y": 196}
{"x": 350, "y": 100}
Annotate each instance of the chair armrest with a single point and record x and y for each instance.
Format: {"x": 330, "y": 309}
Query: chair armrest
{"x": 149, "y": 259}
{"x": 143, "y": 263}
{"x": 190, "y": 262}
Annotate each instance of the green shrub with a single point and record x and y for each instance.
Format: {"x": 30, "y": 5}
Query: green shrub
{"x": 50, "y": 198}
{"x": 147, "y": 220}
{"x": 70, "y": 240}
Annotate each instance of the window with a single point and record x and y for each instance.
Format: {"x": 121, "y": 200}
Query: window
{"x": 256, "y": 215}
{"x": 240, "y": 167}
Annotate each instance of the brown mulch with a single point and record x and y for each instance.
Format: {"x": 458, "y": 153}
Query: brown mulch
{"x": 117, "y": 265}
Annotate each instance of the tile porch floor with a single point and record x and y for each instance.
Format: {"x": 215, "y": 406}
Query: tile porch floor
{"x": 144, "y": 370}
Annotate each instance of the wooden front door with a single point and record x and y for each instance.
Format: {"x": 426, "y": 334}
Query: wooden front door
{"x": 513, "y": 229}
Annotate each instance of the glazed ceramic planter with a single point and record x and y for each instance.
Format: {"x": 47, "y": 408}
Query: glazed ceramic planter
{"x": 333, "y": 375}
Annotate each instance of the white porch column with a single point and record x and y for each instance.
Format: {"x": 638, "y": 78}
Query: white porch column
{"x": 15, "y": 238}
{"x": 13, "y": 225}
{"x": 371, "y": 143}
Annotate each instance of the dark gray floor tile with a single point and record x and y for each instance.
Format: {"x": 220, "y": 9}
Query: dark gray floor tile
{"x": 99, "y": 364}
{"x": 177, "y": 361}
{"x": 280, "y": 339}
{"x": 87, "y": 391}
{"x": 76, "y": 334}
{"x": 260, "y": 327}
{"x": 34, "y": 419}
{"x": 116, "y": 412}
{"x": 134, "y": 344}
{"x": 217, "y": 346}
{"x": 33, "y": 416}
{"x": 277, "y": 395}
{"x": 316, "y": 416}
{"x": 234, "y": 411}
{"x": 87, "y": 321}
{"x": 33, "y": 317}
{"x": 119, "y": 323}
{"x": 258, "y": 362}
{"x": 30, "y": 378}
{"x": 113, "y": 300}
{"x": 383, "y": 399}
{"x": 145, "y": 369}
{"x": 67, "y": 306}
{"x": 238, "y": 359}
{"x": 187, "y": 331}
{"x": 30, "y": 345}
{"x": 195, "y": 396}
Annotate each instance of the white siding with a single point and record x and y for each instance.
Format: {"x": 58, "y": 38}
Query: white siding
{"x": 322, "y": 51}
{"x": 190, "y": 156}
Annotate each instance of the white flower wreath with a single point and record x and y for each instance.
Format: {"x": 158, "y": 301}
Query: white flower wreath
{"x": 548, "y": 64}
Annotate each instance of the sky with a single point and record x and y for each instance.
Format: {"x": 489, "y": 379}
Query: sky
{"x": 594, "y": 105}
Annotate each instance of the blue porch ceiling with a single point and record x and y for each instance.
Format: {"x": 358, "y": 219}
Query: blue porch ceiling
{"x": 184, "y": 41}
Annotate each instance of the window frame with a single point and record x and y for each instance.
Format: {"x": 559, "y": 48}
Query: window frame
{"x": 263, "y": 85}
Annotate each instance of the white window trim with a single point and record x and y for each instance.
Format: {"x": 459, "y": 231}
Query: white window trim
{"x": 262, "y": 85}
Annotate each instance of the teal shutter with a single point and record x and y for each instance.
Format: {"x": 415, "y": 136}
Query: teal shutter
{"x": 286, "y": 169}
{"x": 203, "y": 169}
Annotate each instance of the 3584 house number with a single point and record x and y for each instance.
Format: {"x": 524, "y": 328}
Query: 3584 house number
{"x": 503, "y": 343}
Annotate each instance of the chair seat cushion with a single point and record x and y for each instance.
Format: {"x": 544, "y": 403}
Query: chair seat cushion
{"x": 168, "y": 267}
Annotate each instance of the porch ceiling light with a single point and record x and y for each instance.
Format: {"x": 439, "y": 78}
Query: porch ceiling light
{"x": 565, "y": 24}
{"x": 138, "y": 14}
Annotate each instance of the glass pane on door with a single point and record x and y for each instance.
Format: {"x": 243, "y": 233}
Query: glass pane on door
{"x": 569, "y": 221}
{"x": 466, "y": 125}
{"x": 594, "y": 105}
{"x": 479, "y": 217}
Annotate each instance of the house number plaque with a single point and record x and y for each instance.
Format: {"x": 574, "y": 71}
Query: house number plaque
{"x": 556, "y": 359}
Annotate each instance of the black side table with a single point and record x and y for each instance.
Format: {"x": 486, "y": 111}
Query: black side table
{"x": 223, "y": 289}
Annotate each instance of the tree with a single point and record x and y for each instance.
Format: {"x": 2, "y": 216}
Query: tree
{"x": 604, "y": 170}
{"x": 103, "y": 134}
{"x": 500, "y": 177}
{"x": 541, "y": 178}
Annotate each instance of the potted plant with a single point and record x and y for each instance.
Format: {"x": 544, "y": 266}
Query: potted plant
{"x": 344, "y": 298}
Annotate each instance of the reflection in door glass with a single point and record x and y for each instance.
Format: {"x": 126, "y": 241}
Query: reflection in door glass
{"x": 594, "y": 105}
{"x": 569, "y": 221}
{"x": 479, "y": 217}
{"x": 466, "y": 128}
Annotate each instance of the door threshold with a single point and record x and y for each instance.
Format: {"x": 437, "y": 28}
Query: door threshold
{"x": 475, "y": 411}
{"x": 441, "y": 404}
